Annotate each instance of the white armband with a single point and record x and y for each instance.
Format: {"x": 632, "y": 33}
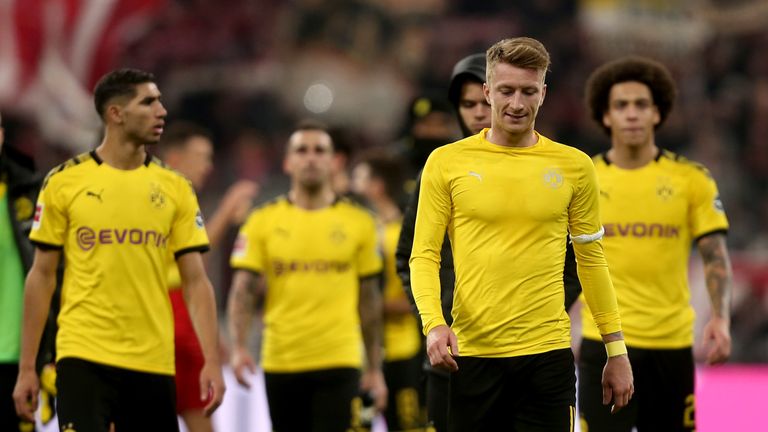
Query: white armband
{"x": 588, "y": 238}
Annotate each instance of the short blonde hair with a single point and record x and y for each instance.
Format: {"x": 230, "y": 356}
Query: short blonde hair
{"x": 522, "y": 52}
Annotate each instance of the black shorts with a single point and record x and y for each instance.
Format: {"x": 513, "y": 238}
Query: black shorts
{"x": 320, "y": 401}
{"x": 663, "y": 399}
{"x": 403, "y": 407}
{"x": 92, "y": 395}
{"x": 438, "y": 384}
{"x": 523, "y": 394}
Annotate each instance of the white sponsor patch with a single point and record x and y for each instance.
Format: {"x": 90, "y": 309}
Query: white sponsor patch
{"x": 199, "y": 219}
{"x": 38, "y": 219}
{"x": 241, "y": 245}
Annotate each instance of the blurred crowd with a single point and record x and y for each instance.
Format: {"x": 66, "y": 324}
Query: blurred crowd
{"x": 248, "y": 70}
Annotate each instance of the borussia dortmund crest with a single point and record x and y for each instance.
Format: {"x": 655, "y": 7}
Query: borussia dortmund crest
{"x": 156, "y": 196}
{"x": 664, "y": 188}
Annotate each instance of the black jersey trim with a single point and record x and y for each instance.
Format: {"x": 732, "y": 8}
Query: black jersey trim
{"x": 722, "y": 231}
{"x": 46, "y": 246}
{"x": 201, "y": 249}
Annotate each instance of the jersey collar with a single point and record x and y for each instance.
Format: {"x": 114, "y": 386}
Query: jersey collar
{"x": 98, "y": 160}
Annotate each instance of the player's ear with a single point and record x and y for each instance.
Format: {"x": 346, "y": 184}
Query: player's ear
{"x": 487, "y": 92}
{"x": 114, "y": 113}
{"x": 606, "y": 120}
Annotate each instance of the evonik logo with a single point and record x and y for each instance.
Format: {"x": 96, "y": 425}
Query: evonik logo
{"x": 87, "y": 237}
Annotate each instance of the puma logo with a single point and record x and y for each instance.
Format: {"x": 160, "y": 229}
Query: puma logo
{"x": 95, "y": 195}
{"x": 476, "y": 175}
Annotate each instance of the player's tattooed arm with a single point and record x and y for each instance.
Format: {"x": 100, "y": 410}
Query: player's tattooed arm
{"x": 717, "y": 270}
{"x": 371, "y": 318}
{"x": 246, "y": 289}
{"x": 242, "y": 304}
{"x": 371, "y": 307}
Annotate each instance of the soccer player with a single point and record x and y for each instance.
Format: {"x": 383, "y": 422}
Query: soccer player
{"x": 114, "y": 214}
{"x": 188, "y": 149}
{"x": 507, "y": 198}
{"x": 19, "y": 186}
{"x": 653, "y": 204}
{"x": 474, "y": 114}
{"x": 378, "y": 180}
{"x": 314, "y": 258}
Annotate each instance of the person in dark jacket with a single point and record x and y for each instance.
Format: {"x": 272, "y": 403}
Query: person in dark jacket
{"x": 473, "y": 111}
{"x": 19, "y": 186}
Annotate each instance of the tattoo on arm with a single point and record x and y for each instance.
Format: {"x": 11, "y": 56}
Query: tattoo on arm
{"x": 370, "y": 319}
{"x": 242, "y": 303}
{"x": 717, "y": 270}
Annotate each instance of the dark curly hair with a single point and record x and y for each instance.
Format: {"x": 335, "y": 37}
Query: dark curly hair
{"x": 634, "y": 68}
{"x": 118, "y": 83}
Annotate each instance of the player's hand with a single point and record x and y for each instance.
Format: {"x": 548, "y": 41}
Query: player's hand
{"x": 238, "y": 200}
{"x": 241, "y": 361}
{"x": 25, "y": 394}
{"x": 212, "y": 387}
{"x": 618, "y": 383}
{"x": 717, "y": 337}
{"x": 373, "y": 382}
{"x": 442, "y": 347}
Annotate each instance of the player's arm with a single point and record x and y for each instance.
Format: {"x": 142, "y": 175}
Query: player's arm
{"x": 243, "y": 295}
{"x": 432, "y": 215}
{"x": 201, "y": 303}
{"x": 370, "y": 309}
{"x": 232, "y": 210}
{"x": 717, "y": 269}
{"x": 405, "y": 241}
{"x": 38, "y": 290}
{"x": 586, "y": 233}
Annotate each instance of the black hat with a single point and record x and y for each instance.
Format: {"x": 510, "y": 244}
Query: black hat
{"x": 472, "y": 68}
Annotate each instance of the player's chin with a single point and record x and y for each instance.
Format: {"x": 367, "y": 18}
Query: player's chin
{"x": 153, "y": 140}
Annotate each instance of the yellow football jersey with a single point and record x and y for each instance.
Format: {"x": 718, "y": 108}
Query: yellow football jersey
{"x": 402, "y": 338}
{"x": 508, "y": 212}
{"x": 116, "y": 228}
{"x": 651, "y": 216}
{"x": 312, "y": 261}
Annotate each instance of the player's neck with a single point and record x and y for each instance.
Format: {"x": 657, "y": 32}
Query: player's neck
{"x": 387, "y": 210}
{"x": 500, "y": 137}
{"x": 633, "y": 157}
{"x": 312, "y": 199}
{"x": 121, "y": 154}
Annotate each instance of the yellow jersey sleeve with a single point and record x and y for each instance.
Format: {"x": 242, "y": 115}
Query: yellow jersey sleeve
{"x": 188, "y": 230}
{"x": 369, "y": 261}
{"x": 586, "y": 232}
{"x": 707, "y": 213}
{"x": 432, "y": 215}
{"x": 49, "y": 226}
{"x": 247, "y": 253}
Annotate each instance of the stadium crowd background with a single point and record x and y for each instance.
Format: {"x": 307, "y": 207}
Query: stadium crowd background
{"x": 249, "y": 70}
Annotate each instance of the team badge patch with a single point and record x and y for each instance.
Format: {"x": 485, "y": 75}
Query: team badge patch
{"x": 156, "y": 196}
{"x": 718, "y": 204}
{"x": 38, "y": 219}
{"x": 553, "y": 178}
{"x": 199, "y": 219}
{"x": 241, "y": 244}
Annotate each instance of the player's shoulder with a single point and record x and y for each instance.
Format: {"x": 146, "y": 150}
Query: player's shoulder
{"x": 354, "y": 208}
{"x": 271, "y": 206}
{"x": 165, "y": 170}
{"x": 682, "y": 164}
{"x": 70, "y": 167}
{"x": 451, "y": 149}
{"x": 566, "y": 151}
